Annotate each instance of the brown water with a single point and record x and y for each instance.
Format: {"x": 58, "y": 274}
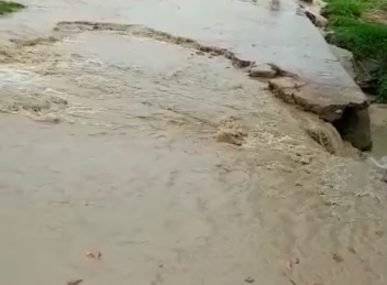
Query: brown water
{"x": 174, "y": 165}
{"x": 378, "y": 114}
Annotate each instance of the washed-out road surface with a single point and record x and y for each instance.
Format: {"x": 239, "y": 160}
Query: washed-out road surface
{"x": 131, "y": 153}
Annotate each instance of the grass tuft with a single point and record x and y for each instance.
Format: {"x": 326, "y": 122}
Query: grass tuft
{"x": 347, "y": 8}
{"x": 9, "y": 7}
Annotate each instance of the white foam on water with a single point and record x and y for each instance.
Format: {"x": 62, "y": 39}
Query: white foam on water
{"x": 10, "y": 77}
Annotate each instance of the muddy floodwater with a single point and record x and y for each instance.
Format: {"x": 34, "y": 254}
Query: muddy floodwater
{"x": 132, "y": 156}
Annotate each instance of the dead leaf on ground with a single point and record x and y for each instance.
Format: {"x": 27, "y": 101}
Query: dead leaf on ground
{"x": 291, "y": 263}
{"x": 96, "y": 255}
{"x": 75, "y": 282}
{"x": 338, "y": 258}
{"x": 351, "y": 249}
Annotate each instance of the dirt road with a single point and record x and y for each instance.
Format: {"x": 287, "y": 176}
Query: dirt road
{"x": 168, "y": 160}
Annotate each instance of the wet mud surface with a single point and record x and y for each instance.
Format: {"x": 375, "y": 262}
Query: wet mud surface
{"x": 130, "y": 158}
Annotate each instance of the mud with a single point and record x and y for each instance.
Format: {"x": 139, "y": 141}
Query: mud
{"x": 176, "y": 167}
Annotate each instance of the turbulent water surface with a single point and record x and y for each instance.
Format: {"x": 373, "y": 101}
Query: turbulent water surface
{"x": 131, "y": 155}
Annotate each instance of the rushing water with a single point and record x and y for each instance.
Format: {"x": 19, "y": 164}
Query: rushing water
{"x": 173, "y": 164}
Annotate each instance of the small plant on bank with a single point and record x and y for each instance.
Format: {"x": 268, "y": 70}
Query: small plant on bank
{"x": 9, "y": 7}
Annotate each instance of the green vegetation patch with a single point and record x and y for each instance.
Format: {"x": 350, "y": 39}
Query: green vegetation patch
{"x": 348, "y": 8}
{"x": 367, "y": 40}
{"x": 9, "y": 7}
{"x": 378, "y": 4}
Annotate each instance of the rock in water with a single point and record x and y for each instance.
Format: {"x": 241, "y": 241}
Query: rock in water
{"x": 262, "y": 71}
{"x": 315, "y": 18}
{"x": 249, "y": 280}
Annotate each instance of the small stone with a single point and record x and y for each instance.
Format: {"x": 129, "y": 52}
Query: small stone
{"x": 262, "y": 71}
{"x": 241, "y": 63}
{"x": 249, "y": 280}
{"x": 316, "y": 19}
